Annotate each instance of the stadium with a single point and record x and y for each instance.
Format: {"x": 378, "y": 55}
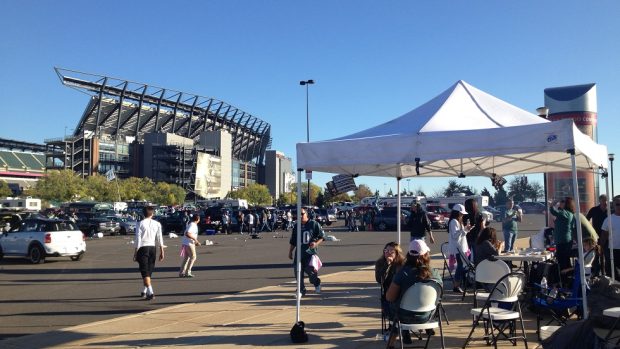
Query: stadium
{"x": 205, "y": 145}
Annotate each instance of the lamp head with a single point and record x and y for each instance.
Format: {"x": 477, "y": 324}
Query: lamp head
{"x": 543, "y": 112}
{"x": 611, "y": 157}
{"x": 306, "y": 82}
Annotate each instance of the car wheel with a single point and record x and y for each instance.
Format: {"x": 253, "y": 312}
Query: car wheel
{"x": 78, "y": 257}
{"x": 36, "y": 254}
{"x": 382, "y": 226}
{"x": 93, "y": 232}
{"x": 329, "y": 223}
{"x": 1, "y": 253}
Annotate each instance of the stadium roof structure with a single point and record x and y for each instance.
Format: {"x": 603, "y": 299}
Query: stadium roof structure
{"x": 126, "y": 108}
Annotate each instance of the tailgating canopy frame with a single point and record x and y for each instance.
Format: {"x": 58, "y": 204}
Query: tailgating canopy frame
{"x": 462, "y": 132}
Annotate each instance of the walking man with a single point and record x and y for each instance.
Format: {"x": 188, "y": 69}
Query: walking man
{"x": 148, "y": 236}
{"x": 419, "y": 224}
{"x": 225, "y": 223}
{"x": 598, "y": 214}
{"x": 614, "y": 219}
{"x": 510, "y": 225}
{"x": 311, "y": 236}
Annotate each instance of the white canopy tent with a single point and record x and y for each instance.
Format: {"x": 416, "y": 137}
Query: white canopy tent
{"x": 461, "y": 132}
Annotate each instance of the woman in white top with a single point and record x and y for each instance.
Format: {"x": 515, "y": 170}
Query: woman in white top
{"x": 457, "y": 241}
{"x": 188, "y": 248}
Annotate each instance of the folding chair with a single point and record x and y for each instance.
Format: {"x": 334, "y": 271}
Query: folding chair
{"x": 609, "y": 337}
{"x": 446, "y": 266}
{"x": 424, "y": 297}
{"x": 469, "y": 275}
{"x": 488, "y": 272}
{"x": 501, "y": 310}
{"x": 563, "y": 306}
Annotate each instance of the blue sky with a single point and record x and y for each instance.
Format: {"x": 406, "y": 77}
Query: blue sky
{"x": 372, "y": 61}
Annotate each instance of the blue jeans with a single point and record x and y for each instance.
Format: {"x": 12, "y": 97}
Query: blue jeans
{"x": 509, "y": 240}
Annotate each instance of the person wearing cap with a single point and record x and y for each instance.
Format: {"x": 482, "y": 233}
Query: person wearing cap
{"x": 457, "y": 241}
{"x": 417, "y": 268}
{"x": 419, "y": 224}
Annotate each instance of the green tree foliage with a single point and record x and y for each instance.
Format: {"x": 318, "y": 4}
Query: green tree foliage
{"x": 289, "y": 198}
{"x": 62, "y": 185}
{"x": 500, "y": 197}
{"x": 314, "y": 193}
{"x": 520, "y": 189}
{"x": 362, "y": 191}
{"x": 454, "y": 188}
{"x": 66, "y": 186}
{"x": 255, "y": 194}
{"x": 5, "y": 190}
{"x": 98, "y": 187}
{"x": 338, "y": 198}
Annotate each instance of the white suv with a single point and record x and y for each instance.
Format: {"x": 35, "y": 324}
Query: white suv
{"x": 38, "y": 238}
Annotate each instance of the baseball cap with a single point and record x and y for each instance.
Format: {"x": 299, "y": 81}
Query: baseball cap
{"x": 418, "y": 247}
{"x": 460, "y": 208}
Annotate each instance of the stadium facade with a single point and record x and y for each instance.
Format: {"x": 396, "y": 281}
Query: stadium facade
{"x": 203, "y": 144}
{"x": 21, "y": 164}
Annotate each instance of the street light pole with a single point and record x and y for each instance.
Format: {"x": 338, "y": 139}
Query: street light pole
{"x": 543, "y": 112}
{"x": 307, "y": 83}
{"x": 611, "y": 160}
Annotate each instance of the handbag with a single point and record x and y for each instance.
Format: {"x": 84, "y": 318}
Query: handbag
{"x": 315, "y": 262}
{"x": 298, "y": 333}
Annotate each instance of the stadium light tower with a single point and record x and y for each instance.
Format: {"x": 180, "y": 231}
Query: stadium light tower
{"x": 307, "y": 83}
{"x": 611, "y": 160}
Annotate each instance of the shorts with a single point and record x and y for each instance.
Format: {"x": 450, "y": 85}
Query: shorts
{"x": 146, "y": 260}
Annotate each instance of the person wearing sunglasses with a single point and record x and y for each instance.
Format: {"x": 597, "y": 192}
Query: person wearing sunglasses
{"x": 614, "y": 219}
{"x": 391, "y": 260}
{"x": 311, "y": 236}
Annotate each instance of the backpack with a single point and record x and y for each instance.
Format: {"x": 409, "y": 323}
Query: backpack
{"x": 298, "y": 333}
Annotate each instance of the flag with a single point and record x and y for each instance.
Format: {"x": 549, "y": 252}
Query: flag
{"x": 110, "y": 175}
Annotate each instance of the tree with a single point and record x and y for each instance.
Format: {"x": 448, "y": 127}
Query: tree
{"x": 314, "y": 193}
{"x": 5, "y": 190}
{"x": 62, "y": 185}
{"x": 390, "y": 192}
{"x": 485, "y": 192}
{"x": 256, "y": 194}
{"x": 520, "y": 189}
{"x": 362, "y": 191}
{"x": 100, "y": 189}
{"x": 500, "y": 197}
{"x": 376, "y": 192}
{"x": 454, "y": 188}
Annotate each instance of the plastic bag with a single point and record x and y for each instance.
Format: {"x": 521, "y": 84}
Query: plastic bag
{"x": 315, "y": 262}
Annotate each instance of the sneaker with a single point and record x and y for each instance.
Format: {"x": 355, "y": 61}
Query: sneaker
{"x": 150, "y": 297}
{"x": 189, "y": 275}
{"x": 457, "y": 290}
{"x": 181, "y": 275}
{"x": 143, "y": 295}
{"x": 317, "y": 289}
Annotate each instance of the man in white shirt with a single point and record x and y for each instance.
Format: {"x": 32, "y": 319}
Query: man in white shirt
{"x": 615, "y": 230}
{"x": 148, "y": 236}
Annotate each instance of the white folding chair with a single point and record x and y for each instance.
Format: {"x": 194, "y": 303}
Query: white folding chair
{"x": 422, "y": 297}
{"x": 446, "y": 266}
{"x": 505, "y": 293}
{"x": 488, "y": 272}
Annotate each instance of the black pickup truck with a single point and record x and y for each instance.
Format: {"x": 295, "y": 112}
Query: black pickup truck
{"x": 92, "y": 223}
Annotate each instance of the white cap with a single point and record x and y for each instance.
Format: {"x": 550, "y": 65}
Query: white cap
{"x": 460, "y": 208}
{"x": 418, "y": 247}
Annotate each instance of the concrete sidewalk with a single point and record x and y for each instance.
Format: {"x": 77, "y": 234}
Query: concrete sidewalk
{"x": 345, "y": 315}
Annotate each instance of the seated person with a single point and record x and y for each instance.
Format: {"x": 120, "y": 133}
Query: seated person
{"x": 416, "y": 268}
{"x": 386, "y": 266}
{"x": 590, "y": 249}
{"x": 487, "y": 245}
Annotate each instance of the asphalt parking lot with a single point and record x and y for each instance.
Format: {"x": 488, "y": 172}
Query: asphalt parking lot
{"x": 106, "y": 283}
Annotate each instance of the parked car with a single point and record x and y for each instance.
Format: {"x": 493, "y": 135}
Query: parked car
{"x": 532, "y": 207}
{"x": 127, "y": 225}
{"x": 329, "y": 215}
{"x": 94, "y": 223}
{"x": 38, "y": 238}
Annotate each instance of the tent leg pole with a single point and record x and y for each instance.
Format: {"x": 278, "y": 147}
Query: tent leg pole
{"x": 610, "y": 239}
{"x": 398, "y": 209}
{"x": 582, "y": 272}
{"x": 298, "y": 248}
